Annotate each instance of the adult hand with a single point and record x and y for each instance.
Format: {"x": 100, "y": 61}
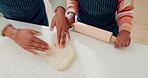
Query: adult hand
{"x": 62, "y": 26}
{"x": 26, "y": 39}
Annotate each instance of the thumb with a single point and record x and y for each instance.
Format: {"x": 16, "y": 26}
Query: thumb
{"x": 52, "y": 24}
{"x": 35, "y": 32}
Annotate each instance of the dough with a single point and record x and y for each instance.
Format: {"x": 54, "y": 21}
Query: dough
{"x": 61, "y": 58}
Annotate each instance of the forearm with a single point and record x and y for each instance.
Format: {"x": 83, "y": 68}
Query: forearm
{"x": 125, "y": 23}
{"x": 3, "y": 24}
{"x": 125, "y": 14}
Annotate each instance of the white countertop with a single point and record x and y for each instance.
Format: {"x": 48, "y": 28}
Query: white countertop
{"x": 96, "y": 59}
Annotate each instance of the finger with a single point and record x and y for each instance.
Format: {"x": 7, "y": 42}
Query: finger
{"x": 63, "y": 39}
{"x": 38, "y": 45}
{"x": 68, "y": 34}
{"x": 58, "y": 36}
{"x": 123, "y": 44}
{"x": 35, "y": 32}
{"x": 40, "y": 41}
{"x": 120, "y": 43}
{"x": 52, "y": 24}
{"x": 37, "y": 48}
{"x": 32, "y": 51}
{"x": 128, "y": 43}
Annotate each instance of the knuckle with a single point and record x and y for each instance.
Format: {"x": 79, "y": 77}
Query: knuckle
{"x": 25, "y": 47}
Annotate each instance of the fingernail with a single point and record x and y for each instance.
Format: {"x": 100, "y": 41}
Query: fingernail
{"x": 37, "y": 54}
{"x": 51, "y": 29}
{"x": 61, "y": 46}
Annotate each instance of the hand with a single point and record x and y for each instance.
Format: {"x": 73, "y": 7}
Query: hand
{"x": 61, "y": 23}
{"x": 123, "y": 39}
{"x": 26, "y": 39}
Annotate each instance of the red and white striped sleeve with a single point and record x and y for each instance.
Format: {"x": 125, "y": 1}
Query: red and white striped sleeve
{"x": 125, "y": 14}
{"x": 72, "y": 6}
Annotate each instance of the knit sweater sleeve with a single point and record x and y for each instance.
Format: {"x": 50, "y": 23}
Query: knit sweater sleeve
{"x": 125, "y": 14}
{"x": 56, "y": 3}
{"x": 3, "y": 23}
{"x": 72, "y": 6}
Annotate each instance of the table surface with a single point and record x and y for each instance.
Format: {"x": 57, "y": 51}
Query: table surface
{"x": 95, "y": 59}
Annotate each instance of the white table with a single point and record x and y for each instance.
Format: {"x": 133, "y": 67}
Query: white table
{"x": 96, "y": 59}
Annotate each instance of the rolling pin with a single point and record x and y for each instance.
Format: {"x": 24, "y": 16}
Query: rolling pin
{"x": 94, "y": 32}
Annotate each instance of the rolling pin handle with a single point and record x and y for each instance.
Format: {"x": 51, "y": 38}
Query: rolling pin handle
{"x": 113, "y": 39}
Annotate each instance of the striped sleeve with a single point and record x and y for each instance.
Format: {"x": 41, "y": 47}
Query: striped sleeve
{"x": 72, "y": 6}
{"x": 56, "y": 3}
{"x": 125, "y": 14}
{"x": 3, "y": 23}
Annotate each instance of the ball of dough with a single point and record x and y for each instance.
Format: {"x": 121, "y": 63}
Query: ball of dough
{"x": 61, "y": 58}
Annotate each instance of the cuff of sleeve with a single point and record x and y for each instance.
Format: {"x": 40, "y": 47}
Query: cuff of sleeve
{"x": 71, "y": 10}
{"x": 57, "y": 3}
{"x": 125, "y": 27}
{"x": 3, "y": 23}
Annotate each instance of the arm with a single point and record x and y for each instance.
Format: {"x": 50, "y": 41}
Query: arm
{"x": 72, "y": 10}
{"x": 24, "y": 37}
{"x": 60, "y": 21}
{"x": 125, "y": 14}
{"x": 124, "y": 19}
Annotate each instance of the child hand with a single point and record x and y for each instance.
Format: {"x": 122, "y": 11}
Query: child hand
{"x": 123, "y": 39}
{"x": 62, "y": 26}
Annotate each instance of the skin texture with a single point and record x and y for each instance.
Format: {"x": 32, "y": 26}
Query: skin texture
{"x": 62, "y": 25}
{"x": 27, "y": 40}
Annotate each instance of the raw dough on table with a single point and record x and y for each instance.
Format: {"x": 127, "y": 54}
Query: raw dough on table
{"x": 61, "y": 58}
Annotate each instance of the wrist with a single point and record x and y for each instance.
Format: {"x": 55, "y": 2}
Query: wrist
{"x": 14, "y": 34}
{"x": 60, "y": 10}
{"x": 8, "y": 31}
{"x": 125, "y": 31}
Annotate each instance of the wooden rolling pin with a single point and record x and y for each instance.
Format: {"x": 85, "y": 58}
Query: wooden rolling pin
{"x": 94, "y": 32}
